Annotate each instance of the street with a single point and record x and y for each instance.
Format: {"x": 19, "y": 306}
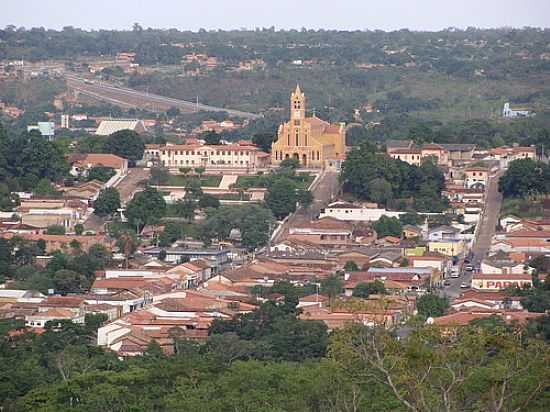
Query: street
{"x": 482, "y": 242}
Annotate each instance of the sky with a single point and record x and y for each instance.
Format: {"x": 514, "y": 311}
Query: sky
{"x": 283, "y": 14}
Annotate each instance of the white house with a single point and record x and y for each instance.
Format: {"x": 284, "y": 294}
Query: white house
{"x": 352, "y": 212}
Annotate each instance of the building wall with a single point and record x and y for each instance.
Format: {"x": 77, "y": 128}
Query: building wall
{"x": 447, "y": 248}
{"x": 363, "y": 214}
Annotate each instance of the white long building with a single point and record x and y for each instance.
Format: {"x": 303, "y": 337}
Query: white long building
{"x": 359, "y": 213}
{"x": 211, "y": 157}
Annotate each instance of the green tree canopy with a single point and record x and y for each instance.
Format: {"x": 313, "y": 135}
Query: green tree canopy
{"x": 107, "y": 202}
{"x": 125, "y": 143}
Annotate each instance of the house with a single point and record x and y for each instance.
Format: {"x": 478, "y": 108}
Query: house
{"x": 508, "y": 222}
{"x": 443, "y": 233}
{"x": 108, "y": 127}
{"x": 214, "y": 158}
{"x": 85, "y": 190}
{"x": 39, "y": 319}
{"x": 498, "y": 281}
{"x": 81, "y": 163}
{"x": 500, "y": 300}
{"x": 361, "y": 257}
{"x": 368, "y": 212}
{"x": 435, "y": 261}
{"x": 313, "y": 300}
{"x": 386, "y": 311}
{"x": 506, "y": 154}
{"x": 502, "y": 263}
{"x": 46, "y": 129}
{"x": 459, "y": 152}
{"x": 184, "y": 314}
{"x": 476, "y": 177}
{"x": 325, "y": 231}
{"x": 511, "y": 113}
{"x": 20, "y": 296}
{"x": 216, "y": 257}
{"x": 410, "y": 232}
{"x": 402, "y": 279}
{"x": 412, "y": 155}
{"x": 122, "y": 300}
{"x": 463, "y": 318}
{"x": 447, "y": 247}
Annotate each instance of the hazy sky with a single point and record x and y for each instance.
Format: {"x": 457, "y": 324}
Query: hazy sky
{"x": 234, "y": 14}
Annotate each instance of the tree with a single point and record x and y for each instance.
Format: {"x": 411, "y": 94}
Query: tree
{"x": 147, "y": 207}
{"x": 380, "y": 191}
{"x": 55, "y": 230}
{"x": 185, "y": 208}
{"x": 332, "y": 286}
{"x": 351, "y": 266}
{"x": 281, "y": 197}
{"x": 101, "y": 173}
{"x": 173, "y": 112}
{"x": 79, "y": 228}
{"x": 8, "y": 200}
{"x": 159, "y": 176}
{"x": 125, "y": 143}
{"x": 413, "y": 219}
{"x": 200, "y": 170}
{"x": 263, "y": 141}
{"x": 525, "y": 177}
{"x": 364, "y": 290}
{"x": 304, "y": 198}
{"x": 290, "y": 163}
{"x": 107, "y": 202}
{"x": 211, "y": 137}
{"x": 387, "y": 226}
{"x": 431, "y": 305}
{"x": 208, "y": 200}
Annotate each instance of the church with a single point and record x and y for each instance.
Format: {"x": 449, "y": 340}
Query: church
{"x": 312, "y": 141}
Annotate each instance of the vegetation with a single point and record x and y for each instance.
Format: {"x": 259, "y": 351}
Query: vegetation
{"x": 146, "y": 207}
{"x": 28, "y": 158}
{"x": 101, "y": 173}
{"x": 374, "y": 176}
{"x": 125, "y": 143}
{"x": 364, "y": 290}
{"x": 107, "y": 202}
{"x": 268, "y": 357}
{"x": 430, "y": 305}
{"x": 252, "y": 221}
{"x": 525, "y": 177}
{"x": 387, "y": 226}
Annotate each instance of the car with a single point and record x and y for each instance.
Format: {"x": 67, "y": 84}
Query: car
{"x": 469, "y": 268}
{"x": 464, "y": 285}
{"x": 447, "y": 283}
{"x": 455, "y": 275}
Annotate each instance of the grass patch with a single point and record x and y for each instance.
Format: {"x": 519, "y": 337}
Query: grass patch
{"x": 523, "y": 208}
{"x": 302, "y": 180}
{"x": 206, "y": 181}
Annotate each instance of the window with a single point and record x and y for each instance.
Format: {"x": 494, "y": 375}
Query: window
{"x": 241, "y": 153}
{"x": 297, "y": 138}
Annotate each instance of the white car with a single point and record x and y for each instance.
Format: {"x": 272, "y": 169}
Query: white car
{"x": 464, "y": 286}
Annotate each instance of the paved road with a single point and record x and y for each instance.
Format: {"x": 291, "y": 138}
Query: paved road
{"x": 126, "y": 98}
{"x": 324, "y": 192}
{"x": 489, "y": 220}
{"x": 486, "y": 231}
{"x": 126, "y": 187}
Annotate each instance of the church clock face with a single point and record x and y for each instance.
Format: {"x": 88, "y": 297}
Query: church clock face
{"x": 296, "y": 114}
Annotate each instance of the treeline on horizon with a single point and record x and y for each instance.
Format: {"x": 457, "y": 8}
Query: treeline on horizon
{"x": 474, "y": 49}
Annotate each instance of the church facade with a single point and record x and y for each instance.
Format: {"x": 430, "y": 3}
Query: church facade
{"x": 310, "y": 140}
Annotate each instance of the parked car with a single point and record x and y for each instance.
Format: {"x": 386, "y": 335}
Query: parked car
{"x": 447, "y": 283}
{"x": 464, "y": 285}
{"x": 469, "y": 268}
